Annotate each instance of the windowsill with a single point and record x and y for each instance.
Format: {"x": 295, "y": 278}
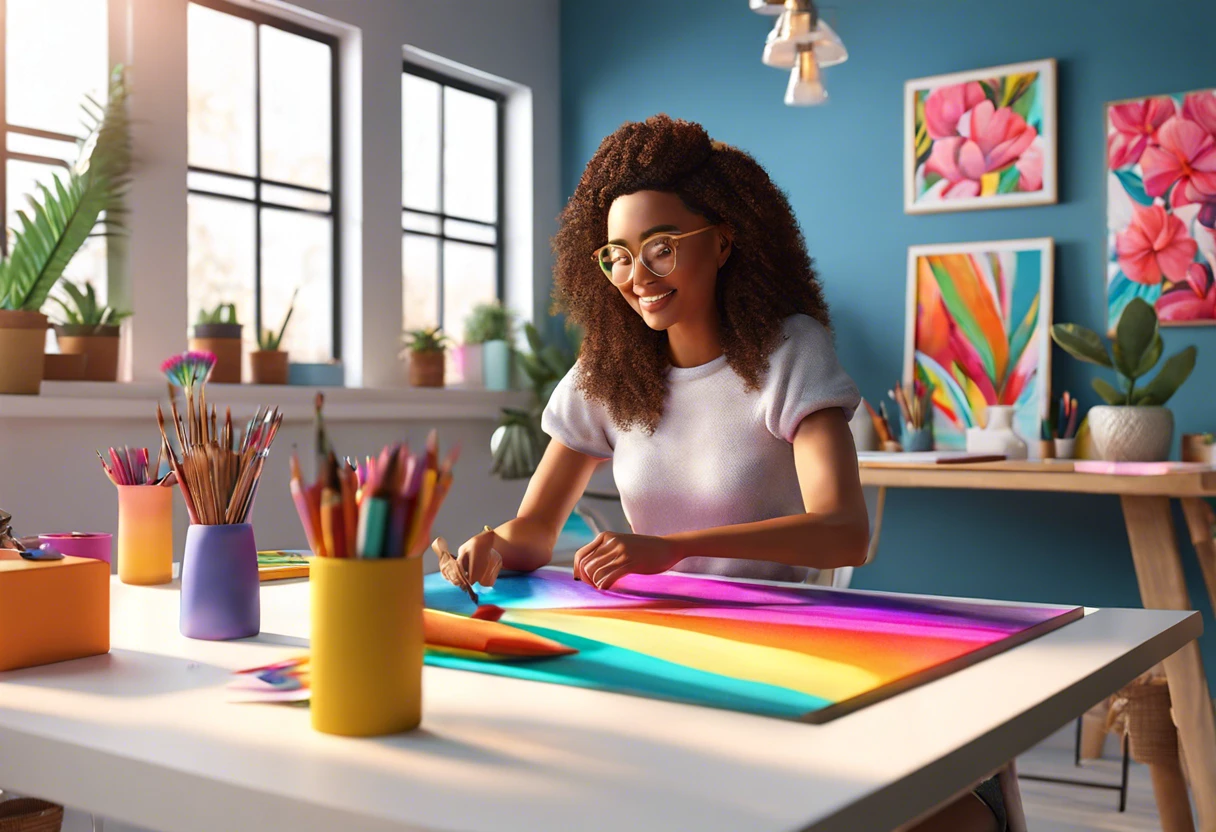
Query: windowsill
{"x": 110, "y": 400}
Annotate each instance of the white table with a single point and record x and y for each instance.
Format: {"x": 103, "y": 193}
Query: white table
{"x": 144, "y": 735}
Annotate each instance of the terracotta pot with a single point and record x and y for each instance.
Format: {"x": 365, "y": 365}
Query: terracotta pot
{"x": 268, "y": 366}
{"x": 426, "y": 369}
{"x": 1131, "y": 434}
{"x": 67, "y": 366}
{"x": 224, "y": 340}
{"x": 23, "y": 347}
{"x": 99, "y": 343}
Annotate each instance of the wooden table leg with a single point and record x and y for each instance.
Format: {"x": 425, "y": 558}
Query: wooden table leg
{"x": 1199, "y": 519}
{"x": 1150, "y": 530}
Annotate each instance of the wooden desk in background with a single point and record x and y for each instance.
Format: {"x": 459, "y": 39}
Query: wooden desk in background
{"x": 1150, "y": 531}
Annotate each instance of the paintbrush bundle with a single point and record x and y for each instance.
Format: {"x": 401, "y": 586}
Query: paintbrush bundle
{"x": 219, "y": 467}
{"x": 381, "y": 509}
{"x": 130, "y": 466}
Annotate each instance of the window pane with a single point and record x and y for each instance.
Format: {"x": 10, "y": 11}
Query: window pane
{"x": 38, "y": 146}
{"x": 221, "y": 265}
{"x": 470, "y": 155}
{"x": 469, "y": 278}
{"x": 196, "y": 181}
{"x": 471, "y": 231}
{"x": 420, "y": 222}
{"x": 89, "y": 262}
{"x": 220, "y": 91}
{"x": 420, "y": 276}
{"x": 295, "y": 198}
{"x": 420, "y": 143}
{"x": 297, "y": 253}
{"x": 51, "y": 64}
{"x": 296, "y": 111}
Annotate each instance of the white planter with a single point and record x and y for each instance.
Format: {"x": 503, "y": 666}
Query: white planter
{"x": 1131, "y": 434}
{"x": 997, "y": 436}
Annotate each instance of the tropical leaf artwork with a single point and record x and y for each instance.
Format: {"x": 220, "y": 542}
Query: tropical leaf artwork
{"x": 979, "y": 321}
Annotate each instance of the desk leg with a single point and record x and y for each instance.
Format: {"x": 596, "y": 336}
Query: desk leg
{"x": 1199, "y": 521}
{"x": 1150, "y": 530}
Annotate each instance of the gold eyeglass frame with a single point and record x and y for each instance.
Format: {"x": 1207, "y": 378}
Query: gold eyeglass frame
{"x": 636, "y": 258}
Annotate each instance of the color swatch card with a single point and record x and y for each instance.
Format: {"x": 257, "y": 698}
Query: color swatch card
{"x": 796, "y": 652}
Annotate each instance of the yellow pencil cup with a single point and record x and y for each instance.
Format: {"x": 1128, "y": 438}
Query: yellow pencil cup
{"x": 145, "y": 534}
{"x": 365, "y": 664}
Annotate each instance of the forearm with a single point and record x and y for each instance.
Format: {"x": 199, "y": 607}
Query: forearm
{"x": 525, "y": 544}
{"x": 819, "y": 541}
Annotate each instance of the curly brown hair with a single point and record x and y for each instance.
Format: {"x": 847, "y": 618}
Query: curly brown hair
{"x": 768, "y": 276}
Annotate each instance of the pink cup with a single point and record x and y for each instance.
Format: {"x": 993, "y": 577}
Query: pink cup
{"x": 95, "y": 545}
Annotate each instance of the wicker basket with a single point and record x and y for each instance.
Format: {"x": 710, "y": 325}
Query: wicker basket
{"x": 28, "y": 814}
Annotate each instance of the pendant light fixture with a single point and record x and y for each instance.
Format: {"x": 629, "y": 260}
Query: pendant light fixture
{"x": 803, "y": 43}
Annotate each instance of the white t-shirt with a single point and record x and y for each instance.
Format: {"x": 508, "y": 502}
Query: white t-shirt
{"x": 720, "y": 455}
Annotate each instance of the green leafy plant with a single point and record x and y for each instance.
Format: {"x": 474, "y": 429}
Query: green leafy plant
{"x": 489, "y": 322}
{"x": 267, "y": 340}
{"x": 224, "y": 313}
{"x": 430, "y": 339}
{"x": 1135, "y": 350}
{"x": 69, "y": 209}
{"x": 85, "y": 310}
{"x": 522, "y": 441}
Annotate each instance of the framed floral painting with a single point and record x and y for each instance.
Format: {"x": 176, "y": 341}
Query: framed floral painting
{"x": 981, "y": 139}
{"x": 1161, "y": 206}
{"x": 978, "y": 332}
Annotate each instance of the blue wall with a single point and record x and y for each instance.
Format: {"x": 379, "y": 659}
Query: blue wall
{"x": 841, "y": 167}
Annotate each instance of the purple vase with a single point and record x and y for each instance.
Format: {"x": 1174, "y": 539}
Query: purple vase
{"x": 220, "y": 583}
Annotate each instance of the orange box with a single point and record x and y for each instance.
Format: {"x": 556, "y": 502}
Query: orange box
{"x": 52, "y": 611}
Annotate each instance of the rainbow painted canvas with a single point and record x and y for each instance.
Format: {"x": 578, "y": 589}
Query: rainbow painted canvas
{"x": 797, "y": 652}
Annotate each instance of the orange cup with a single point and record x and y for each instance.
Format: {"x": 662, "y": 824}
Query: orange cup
{"x": 145, "y": 534}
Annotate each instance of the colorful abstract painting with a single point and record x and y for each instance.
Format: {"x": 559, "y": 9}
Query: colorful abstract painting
{"x": 796, "y": 652}
{"x": 978, "y": 331}
{"x": 981, "y": 139}
{"x": 1161, "y": 206}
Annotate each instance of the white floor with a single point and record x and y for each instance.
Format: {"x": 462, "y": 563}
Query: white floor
{"x": 1052, "y": 807}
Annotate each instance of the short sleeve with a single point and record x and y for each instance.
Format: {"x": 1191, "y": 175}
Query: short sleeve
{"x": 805, "y": 376}
{"x": 576, "y": 422}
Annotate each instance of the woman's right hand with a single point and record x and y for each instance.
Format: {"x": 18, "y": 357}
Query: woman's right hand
{"x": 478, "y": 560}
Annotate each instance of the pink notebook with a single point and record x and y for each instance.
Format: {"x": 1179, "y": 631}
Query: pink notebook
{"x": 1136, "y": 469}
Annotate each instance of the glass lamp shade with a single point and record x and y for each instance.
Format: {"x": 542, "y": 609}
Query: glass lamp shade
{"x": 805, "y": 88}
{"x": 771, "y": 7}
{"x": 829, "y": 50}
{"x": 793, "y": 29}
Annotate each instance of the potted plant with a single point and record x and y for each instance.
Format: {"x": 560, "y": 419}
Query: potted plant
{"x": 518, "y": 442}
{"x": 218, "y": 331}
{"x": 268, "y": 363}
{"x": 492, "y": 326}
{"x": 91, "y": 329}
{"x": 55, "y": 230}
{"x": 426, "y": 349}
{"x": 1134, "y": 424}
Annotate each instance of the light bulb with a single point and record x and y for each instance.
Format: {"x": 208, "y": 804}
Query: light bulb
{"x": 781, "y": 45}
{"x": 773, "y": 7}
{"x": 805, "y": 88}
{"x": 829, "y": 50}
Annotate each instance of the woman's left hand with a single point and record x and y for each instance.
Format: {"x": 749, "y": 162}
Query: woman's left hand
{"x": 613, "y": 555}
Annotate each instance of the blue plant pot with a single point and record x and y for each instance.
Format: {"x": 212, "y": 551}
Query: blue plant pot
{"x": 496, "y": 365}
{"x": 220, "y": 584}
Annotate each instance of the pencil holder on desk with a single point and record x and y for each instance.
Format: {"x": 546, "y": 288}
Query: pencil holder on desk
{"x": 145, "y": 534}
{"x": 220, "y": 583}
{"x": 365, "y": 665}
{"x": 917, "y": 439}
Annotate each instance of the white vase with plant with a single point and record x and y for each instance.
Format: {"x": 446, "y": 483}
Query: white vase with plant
{"x": 492, "y": 326}
{"x": 58, "y": 224}
{"x": 1134, "y": 425}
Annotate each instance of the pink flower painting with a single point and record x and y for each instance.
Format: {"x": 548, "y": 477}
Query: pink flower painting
{"x": 1161, "y": 206}
{"x": 983, "y": 139}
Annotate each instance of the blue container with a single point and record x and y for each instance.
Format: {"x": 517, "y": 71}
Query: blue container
{"x": 496, "y": 365}
{"x": 917, "y": 440}
{"x": 329, "y": 374}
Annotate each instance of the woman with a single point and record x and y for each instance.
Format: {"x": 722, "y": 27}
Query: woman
{"x": 706, "y": 374}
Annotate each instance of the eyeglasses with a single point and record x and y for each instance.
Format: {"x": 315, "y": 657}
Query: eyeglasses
{"x": 657, "y": 253}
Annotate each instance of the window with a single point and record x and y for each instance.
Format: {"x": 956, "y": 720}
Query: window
{"x": 55, "y": 52}
{"x": 263, "y": 174}
{"x": 451, "y": 197}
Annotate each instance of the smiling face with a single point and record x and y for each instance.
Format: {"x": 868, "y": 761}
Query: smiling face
{"x": 685, "y": 295}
